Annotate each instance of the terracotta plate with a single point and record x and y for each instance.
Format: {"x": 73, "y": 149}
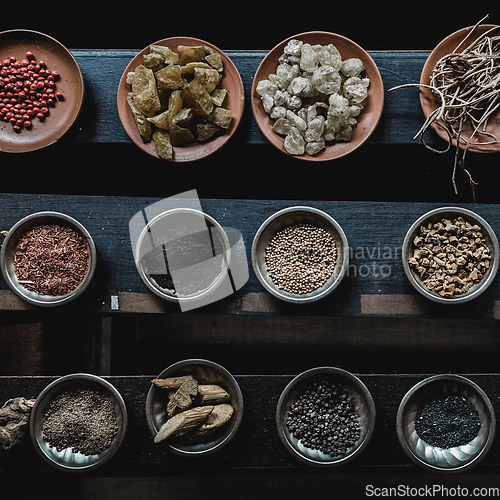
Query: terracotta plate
{"x": 428, "y": 101}
{"x": 367, "y": 120}
{"x": 63, "y": 115}
{"x": 235, "y": 101}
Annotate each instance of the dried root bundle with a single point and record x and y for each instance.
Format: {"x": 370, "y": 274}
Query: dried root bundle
{"x": 466, "y": 85}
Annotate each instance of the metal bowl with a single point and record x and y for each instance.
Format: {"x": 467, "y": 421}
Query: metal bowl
{"x": 353, "y": 386}
{"x": 66, "y": 459}
{"x": 288, "y": 217}
{"x": 199, "y": 255}
{"x": 459, "y": 458}
{"x": 9, "y": 247}
{"x": 450, "y": 213}
{"x": 205, "y": 372}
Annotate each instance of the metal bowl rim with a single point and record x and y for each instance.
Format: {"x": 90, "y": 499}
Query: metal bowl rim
{"x": 366, "y": 395}
{"x": 345, "y": 253}
{"x": 407, "y": 243}
{"x": 185, "y": 364}
{"x": 76, "y": 225}
{"x": 156, "y": 290}
{"x": 457, "y": 379}
{"x": 98, "y": 381}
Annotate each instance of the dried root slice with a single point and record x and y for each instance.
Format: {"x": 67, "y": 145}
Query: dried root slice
{"x": 182, "y": 399}
{"x": 182, "y": 423}
{"x": 14, "y": 419}
{"x": 220, "y": 414}
{"x": 212, "y": 394}
{"x": 171, "y": 382}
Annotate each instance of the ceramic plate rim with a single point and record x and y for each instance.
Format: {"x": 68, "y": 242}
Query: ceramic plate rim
{"x": 360, "y": 134}
{"x": 205, "y": 149}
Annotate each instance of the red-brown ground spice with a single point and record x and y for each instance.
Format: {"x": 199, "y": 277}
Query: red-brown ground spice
{"x": 51, "y": 259}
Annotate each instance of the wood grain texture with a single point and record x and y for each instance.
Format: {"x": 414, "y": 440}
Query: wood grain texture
{"x": 256, "y": 448}
{"x": 102, "y": 70}
{"x": 375, "y": 284}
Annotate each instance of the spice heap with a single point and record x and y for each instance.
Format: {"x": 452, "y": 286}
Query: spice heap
{"x": 51, "y": 259}
{"x": 83, "y": 420}
{"x": 447, "y": 421}
{"x": 450, "y": 256}
{"x": 194, "y": 410}
{"x": 301, "y": 258}
{"x": 27, "y": 91}
{"x": 324, "y": 418}
{"x": 14, "y": 420}
{"x": 314, "y": 97}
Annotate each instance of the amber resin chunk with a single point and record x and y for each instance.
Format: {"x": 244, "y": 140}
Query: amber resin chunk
{"x": 169, "y": 82}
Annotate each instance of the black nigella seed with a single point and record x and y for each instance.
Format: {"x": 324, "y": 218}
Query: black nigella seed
{"x": 447, "y": 421}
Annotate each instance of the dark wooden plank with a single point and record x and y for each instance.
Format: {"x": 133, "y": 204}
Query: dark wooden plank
{"x": 256, "y": 448}
{"x": 102, "y": 70}
{"x": 375, "y": 285}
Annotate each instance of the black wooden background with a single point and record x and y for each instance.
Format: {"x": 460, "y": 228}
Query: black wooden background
{"x": 375, "y": 193}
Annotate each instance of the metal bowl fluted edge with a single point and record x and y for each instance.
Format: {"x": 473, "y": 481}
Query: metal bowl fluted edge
{"x": 206, "y": 372}
{"x": 454, "y": 460}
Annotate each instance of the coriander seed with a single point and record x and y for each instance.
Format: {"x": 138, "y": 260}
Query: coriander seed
{"x": 301, "y": 258}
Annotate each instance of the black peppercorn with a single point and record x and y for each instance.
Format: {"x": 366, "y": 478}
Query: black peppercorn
{"x": 330, "y": 417}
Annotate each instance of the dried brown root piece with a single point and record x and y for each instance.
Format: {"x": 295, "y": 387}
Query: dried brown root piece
{"x": 14, "y": 418}
{"x": 188, "y": 54}
{"x": 220, "y": 414}
{"x": 183, "y": 398}
{"x": 212, "y": 394}
{"x": 171, "y": 382}
{"x": 182, "y": 423}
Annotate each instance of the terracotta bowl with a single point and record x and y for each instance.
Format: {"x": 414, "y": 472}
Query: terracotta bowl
{"x": 428, "y": 101}
{"x": 235, "y": 101}
{"x": 70, "y": 84}
{"x": 367, "y": 120}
